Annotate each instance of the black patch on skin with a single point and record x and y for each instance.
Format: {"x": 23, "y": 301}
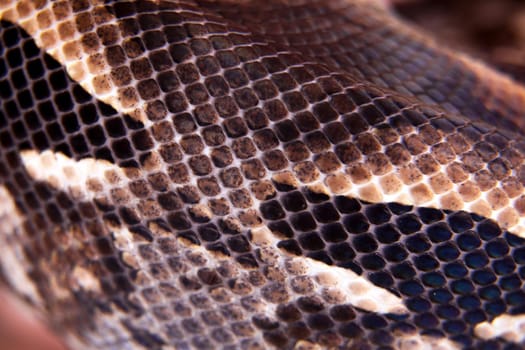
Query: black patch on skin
{"x": 144, "y": 338}
{"x": 40, "y": 111}
{"x": 453, "y": 270}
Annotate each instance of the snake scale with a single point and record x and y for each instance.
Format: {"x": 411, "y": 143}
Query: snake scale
{"x": 233, "y": 174}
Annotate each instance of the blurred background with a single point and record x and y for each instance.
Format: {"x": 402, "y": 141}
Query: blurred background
{"x": 493, "y": 30}
{"x": 20, "y": 330}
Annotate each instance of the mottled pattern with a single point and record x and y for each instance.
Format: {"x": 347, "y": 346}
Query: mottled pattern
{"x": 201, "y": 174}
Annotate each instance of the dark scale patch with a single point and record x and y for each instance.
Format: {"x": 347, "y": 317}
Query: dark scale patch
{"x": 205, "y": 114}
{"x": 454, "y": 269}
{"x": 226, "y": 106}
{"x": 57, "y": 97}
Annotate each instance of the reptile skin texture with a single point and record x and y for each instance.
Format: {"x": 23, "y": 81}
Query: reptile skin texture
{"x": 291, "y": 174}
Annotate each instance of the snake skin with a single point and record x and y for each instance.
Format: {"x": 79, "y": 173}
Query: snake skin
{"x": 230, "y": 174}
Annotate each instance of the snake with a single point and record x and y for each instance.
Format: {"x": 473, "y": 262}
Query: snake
{"x": 235, "y": 174}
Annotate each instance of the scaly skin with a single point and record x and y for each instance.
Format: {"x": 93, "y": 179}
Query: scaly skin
{"x": 245, "y": 174}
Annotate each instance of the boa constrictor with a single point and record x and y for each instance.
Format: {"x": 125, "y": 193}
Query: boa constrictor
{"x": 253, "y": 174}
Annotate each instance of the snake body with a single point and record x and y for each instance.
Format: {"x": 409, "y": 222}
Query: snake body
{"x": 245, "y": 174}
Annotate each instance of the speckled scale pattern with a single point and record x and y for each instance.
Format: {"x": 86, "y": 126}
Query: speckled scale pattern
{"x": 421, "y": 68}
{"x": 228, "y": 167}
